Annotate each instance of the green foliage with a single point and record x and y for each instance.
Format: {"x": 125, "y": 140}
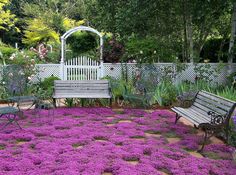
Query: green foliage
{"x": 43, "y": 89}
{"x": 81, "y": 42}
{"x": 119, "y": 88}
{"x": 7, "y": 20}
{"x": 3, "y": 92}
{"x": 53, "y": 57}
{"x": 227, "y": 92}
{"x": 215, "y": 50}
{"x": 148, "y": 50}
{"x": 48, "y": 83}
{"x": 204, "y": 72}
{"x": 38, "y": 31}
{"x": 165, "y": 93}
{"x": 25, "y": 57}
{"x": 5, "y": 52}
{"x": 231, "y": 78}
{"x": 70, "y": 102}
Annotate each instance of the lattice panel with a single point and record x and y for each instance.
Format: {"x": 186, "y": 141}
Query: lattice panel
{"x": 115, "y": 71}
{"x": 47, "y": 70}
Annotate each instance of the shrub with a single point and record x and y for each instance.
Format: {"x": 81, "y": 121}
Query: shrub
{"x": 113, "y": 51}
{"x": 148, "y": 50}
{"x": 44, "y": 90}
{"x": 6, "y": 52}
{"x": 81, "y": 42}
{"x": 165, "y": 93}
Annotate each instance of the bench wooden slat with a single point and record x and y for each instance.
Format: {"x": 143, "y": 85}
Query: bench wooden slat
{"x": 80, "y": 81}
{"x": 197, "y": 117}
{"x": 82, "y": 96}
{"x": 203, "y": 105}
{"x": 203, "y": 114}
{"x": 219, "y": 99}
{"x": 215, "y": 103}
{"x": 217, "y": 96}
{"x": 69, "y": 91}
{"x": 185, "y": 116}
{"x": 82, "y": 89}
{"x": 204, "y": 108}
{"x": 195, "y": 108}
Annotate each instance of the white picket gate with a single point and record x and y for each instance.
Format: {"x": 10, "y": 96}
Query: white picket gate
{"x": 82, "y": 68}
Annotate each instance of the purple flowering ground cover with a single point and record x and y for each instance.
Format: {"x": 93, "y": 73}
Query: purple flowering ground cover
{"x": 95, "y": 141}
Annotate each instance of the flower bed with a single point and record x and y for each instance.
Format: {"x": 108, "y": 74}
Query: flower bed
{"x": 95, "y": 141}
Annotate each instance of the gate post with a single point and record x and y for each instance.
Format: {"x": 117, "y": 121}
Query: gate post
{"x": 62, "y": 64}
{"x": 101, "y": 70}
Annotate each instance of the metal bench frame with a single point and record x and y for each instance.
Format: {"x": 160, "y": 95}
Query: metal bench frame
{"x": 10, "y": 113}
{"x": 89, "y": 89}
{"x": 208, "y": 112}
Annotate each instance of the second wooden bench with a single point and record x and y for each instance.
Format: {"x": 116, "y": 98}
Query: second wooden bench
{"x": 82, "y": 89}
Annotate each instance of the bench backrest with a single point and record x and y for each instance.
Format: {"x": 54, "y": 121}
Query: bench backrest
{"x": 205, "y": 102}
{"x": 81, "y": 87}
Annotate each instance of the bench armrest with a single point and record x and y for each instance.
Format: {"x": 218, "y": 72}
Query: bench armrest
{"x": 216, "y": 119}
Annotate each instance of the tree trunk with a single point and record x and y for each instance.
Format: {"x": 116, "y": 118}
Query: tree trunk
{"x": 231, "y": 44}
{"x": 233, "y": 34}
{"x": 185, "y": 44}
{"x": 190, "y": 38}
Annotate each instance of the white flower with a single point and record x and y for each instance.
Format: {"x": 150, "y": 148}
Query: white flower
{"x": 155, "y": 52}
{"x": 22, "y": 73}
{"x": 3, "y": 82}
{"x": 141, "y": 52}
{"x": 29, "y": 78}
{"x": 11, "y": 58}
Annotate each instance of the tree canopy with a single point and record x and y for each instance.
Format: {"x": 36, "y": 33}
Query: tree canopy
{"x": 150, "y": 30}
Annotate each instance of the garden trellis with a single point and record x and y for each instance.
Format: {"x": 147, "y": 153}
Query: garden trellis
{"x": 80, "y": 68}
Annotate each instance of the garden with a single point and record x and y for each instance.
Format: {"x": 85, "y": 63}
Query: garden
{"x": 163, "y": 62}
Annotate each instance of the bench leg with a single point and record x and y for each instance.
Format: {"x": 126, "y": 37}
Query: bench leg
{"x": 227, "y": 130}
{"x": 110, "y": 102}
{"x": 177, "y": 117}
{"x": 11, "y": 120}
{"x": 204, "y": 141}
{"x": 54, "y": 102}
{"x": 82, "y": 102}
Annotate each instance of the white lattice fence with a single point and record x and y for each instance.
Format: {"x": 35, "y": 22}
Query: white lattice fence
{"x": 115, "y": 70}
{"x": 47, "y": 70}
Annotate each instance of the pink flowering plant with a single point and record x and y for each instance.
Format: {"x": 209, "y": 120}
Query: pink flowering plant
{"x": 93, "y": 141}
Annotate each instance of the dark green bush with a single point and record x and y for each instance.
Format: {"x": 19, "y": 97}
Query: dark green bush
{"x": 44, "y": 89}
{"x": 48, "y": 83}
{"x": 82, "y": 42}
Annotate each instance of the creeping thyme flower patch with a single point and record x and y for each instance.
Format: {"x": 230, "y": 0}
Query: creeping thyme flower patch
{"x": 96, "y": 141}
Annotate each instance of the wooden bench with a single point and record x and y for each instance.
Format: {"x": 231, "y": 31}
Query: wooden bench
{"x": 209, "y": 112}
{"x": 82, "y": 89}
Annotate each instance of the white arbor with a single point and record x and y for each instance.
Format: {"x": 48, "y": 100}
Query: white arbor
{"x": 75, "y": 67}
